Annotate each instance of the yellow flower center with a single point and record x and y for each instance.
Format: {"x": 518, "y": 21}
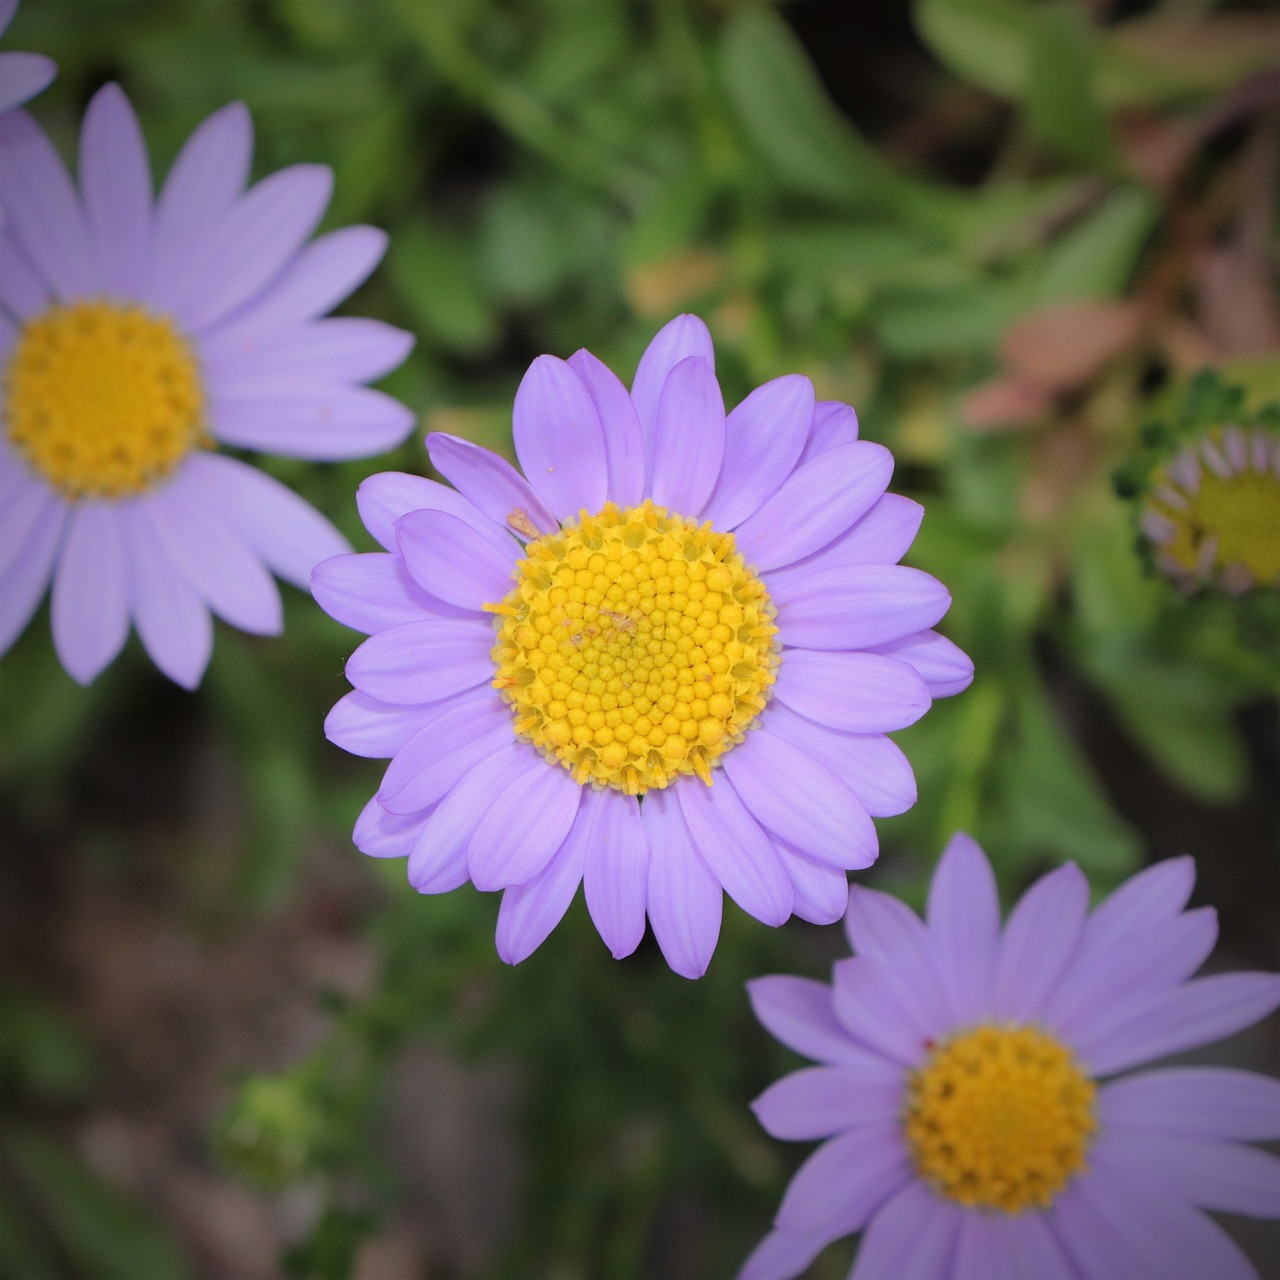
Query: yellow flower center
{"x": 636, "y": 646}
{"x": 1000, "y": 1118}
{"x": 102, "y": 399}
{"x": 1214, "y": 512}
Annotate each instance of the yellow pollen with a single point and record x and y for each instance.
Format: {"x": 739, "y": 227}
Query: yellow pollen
{"x": 102, "y": 399}
{"x": 1217, "y": 518}
{"x": 636, "y": 646}
{"x": 1000, "y": 1117}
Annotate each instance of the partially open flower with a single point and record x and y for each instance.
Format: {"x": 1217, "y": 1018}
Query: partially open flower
{"x": 1209, "y": 495}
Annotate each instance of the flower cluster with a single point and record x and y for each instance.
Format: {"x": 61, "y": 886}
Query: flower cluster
{"x": 662, "y": 662}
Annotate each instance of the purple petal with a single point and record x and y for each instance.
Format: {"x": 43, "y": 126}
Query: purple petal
{"x": 21, "y": 288}
{"x": 914, "y": 1234}
{"x": 623, "y": 439}
{"x": 688, "y": 443}
{"x": 438, "y": 859}
{"x": 1194, "y": 1102}
{"x": 376, "y": 730}
{"x": 857, "y": 606}
{"x": 260, "y": 232}
{"x": 289, "y": 534}
{"x": 817, "y": 503}
{"x": 1200, "y": 1012}
{"x": 423, "y": 661}
{"x": 983, "y": 1249}
{"x": 616, "y": 875}
{"x": 873, "y": 766}
{"x": 1156, "y": 893}
{"x": 387, "y": 497}
{"x": 853, "y": 692}
{"x": 385, "y": 835}
{"x": 215, "y": 559}
{"x": 559, "y": 440}
{"x": 677, "y": 340}
{"x": 834, "y": 424}
{"x": 964, "y": 921}
{"x": 685, "y": 900}
{"x": 736, "y": 850}
{"x": 1098, "y": 995}
{"x": 23, "y": 583}
{"x": 344, "y": 349}
{"x": 846, "y": 1180}
{"x": 207, "y": 176}
{"x": 116, "y": 180}
{"x": 882, "y": 537}
{"x": 530, "y": 911}
{"x": 764, "y": 436}
{"x": 1035, "y": 1248}
{"x": 461, "y": 733}
{"x": 1039, "y": 942}
{"x": 819, "y": 1102}
{"x": 42, "y": 208}
{"x": 821, "y": 891}
{"x": 27, "y": 504}
{"x": 1224, "y": 1176}
{"x": 22, "y": 76}
{"x": 801, "y": 801}
{"x": 943, "y": 666}
{"x": 90, "y": 593}
{"x": 1114, "y": 1226}
{"x": 800, "y": 1013}
{"x": 490, "y": 483}
{"x": 371, "y": 592}
{"x": 878, "y": 1005}
{"x": 782, "y": 1254}
{"x": 323, "y": 423}
{"x": 453, "y": 560}
{"x": 888, "y": 931}
{"x": 172, "y": 621}
{"x": 525, "y": 825}
{"x": 319, "y": 277}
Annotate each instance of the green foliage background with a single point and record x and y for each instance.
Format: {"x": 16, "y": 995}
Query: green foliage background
{"x": 565, "y": 173}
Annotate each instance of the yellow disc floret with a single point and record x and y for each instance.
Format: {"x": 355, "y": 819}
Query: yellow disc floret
{"x": 102, "y": 399}
{"x": 1000, "y": 1117}
{"x": 636, "y": 646}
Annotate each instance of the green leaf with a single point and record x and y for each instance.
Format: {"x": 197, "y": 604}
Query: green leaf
{"x": 965, "y": 320}
{"x": 987, "y": 42}
{"x": 434, "y": 271}
{"x": 1097, "y": 256}
{"x": 811, "y": 148}
{"x": 1053, "y": 801}
{"x": 1062, "y": 99}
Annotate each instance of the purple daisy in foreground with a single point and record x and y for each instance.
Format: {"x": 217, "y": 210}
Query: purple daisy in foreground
{"x": 135, "y": 337}
{"x": 968, "y": 1087}
{"x": 22, "y": 75}
{"x": 661, "y": 662}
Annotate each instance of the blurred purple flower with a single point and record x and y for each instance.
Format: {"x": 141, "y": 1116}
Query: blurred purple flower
{"x": 961, "y": 1087}
{"x": 135, "y": 337}
{"x": 22, "y": 75}
{"x": 680, "y": 596}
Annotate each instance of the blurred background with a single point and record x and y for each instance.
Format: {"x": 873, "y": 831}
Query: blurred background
{"x": 1007, "y": 231}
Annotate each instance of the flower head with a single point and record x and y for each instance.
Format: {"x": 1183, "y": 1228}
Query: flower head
{"x": 661, "y": 662}
{"x": 22, "y": 75}
{"x": 1208, "y": 493}
{"x": 138, "y": 335}
{"x": 970, "y": 1086}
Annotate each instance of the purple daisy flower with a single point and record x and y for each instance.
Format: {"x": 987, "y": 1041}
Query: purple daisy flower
{"x": 971, "y": 1093}
{"x": 22, "y": 75}
{"x": 135, "y": 337}
{"x": 561, "y": 664}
